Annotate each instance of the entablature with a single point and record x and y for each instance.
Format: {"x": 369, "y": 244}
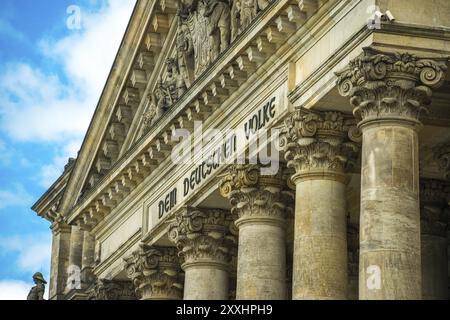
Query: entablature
{"x": 243, "y": 60}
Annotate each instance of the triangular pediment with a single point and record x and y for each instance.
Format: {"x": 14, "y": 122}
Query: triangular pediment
{"x": 168, "y": 48}
{"x": 123, "y": 100}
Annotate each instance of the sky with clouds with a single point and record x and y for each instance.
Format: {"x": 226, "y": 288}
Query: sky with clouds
{"x": 53, "y": 66}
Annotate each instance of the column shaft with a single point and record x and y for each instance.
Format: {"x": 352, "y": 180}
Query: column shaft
{"x": 204, "y": 241}
{"x": 390, "y": 219}
{"x": 261, "y": 204}
{"x": 76, "y": 247}
{"x": 320, "y": 146}
{"x": 389, "y": 91}
{"x": 206, "y": 282}
{"x": 320, "y": 245}
{"x": 59, "y": 260}
{"x": 261, "y": 271}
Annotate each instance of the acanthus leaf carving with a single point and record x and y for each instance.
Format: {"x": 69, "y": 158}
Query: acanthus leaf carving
{"x": 320, "y": 141}
{"x": 155, "y": 272}
{"x": 385, "y": 85}
{"x": 203, "y": 235}
{"x": 205, "y": 29}
{"x": 252, "y": 194}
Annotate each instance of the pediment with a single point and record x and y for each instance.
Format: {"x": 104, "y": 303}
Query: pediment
{"x": 123, "y": 98}
{"x": 168, "y": 49}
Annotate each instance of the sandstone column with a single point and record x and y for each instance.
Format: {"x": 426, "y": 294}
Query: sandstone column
{"x": 434, "y": 219}
{"x": 75, "y": 257}
{"x": 388, "y": 92}
{"x": 260, "y": 204}
{"x": 156, "y": 273}
{"x": 88, "y": 258}
{"x": 204, "y": 242}
{"x": 319, "y": 146}
{"x": 60, "y": 258}
{"x": 76, "y": 246}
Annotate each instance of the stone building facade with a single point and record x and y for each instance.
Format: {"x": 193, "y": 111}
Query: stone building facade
{"x": 349, "y": 101}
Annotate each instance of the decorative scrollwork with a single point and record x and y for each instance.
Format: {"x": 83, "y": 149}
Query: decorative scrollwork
{"x": 155, "y": 272}
{"x": 203, "y": 234}
{"x": 320, "y": 141}
{"x": 390, "y": 85}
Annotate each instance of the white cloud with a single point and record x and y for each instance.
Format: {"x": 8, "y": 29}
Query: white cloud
{"x": 50, "y": 172}
{"x": 18, "y": 196}
{"x": 32, "y": 252}
{"x": 17, "y": 290}
{"x": 37, "y": 105}
{"x": 87, "y": 57}
{"x": 14, "y": 290}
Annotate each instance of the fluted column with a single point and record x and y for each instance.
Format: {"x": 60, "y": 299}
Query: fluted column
{"x": 434, "y": 219}
{"x": 156, "y": 273}
{"x": 319, "y": 146}
{"x": 205, "y": 244}
{"x": 388, "y": 92}
{"x": 260, "y": 204}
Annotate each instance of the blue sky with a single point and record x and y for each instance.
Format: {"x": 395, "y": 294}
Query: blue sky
{"x": 52, "y": 71}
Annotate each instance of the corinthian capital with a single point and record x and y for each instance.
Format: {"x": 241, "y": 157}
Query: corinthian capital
{"x": 155, "y": 272}
{"x": 254, "y": 195}
{"x": 318, "y": 143}
{"x": 203, "y": 235}
{"x": 385, "y": 85}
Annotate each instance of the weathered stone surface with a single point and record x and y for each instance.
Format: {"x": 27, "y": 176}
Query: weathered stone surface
{"x": 261, "y": 205}
{"x": 319, "y": 146}
{"x": 155, "y": 273}
{"x": 205, "y": 242}
{"x": 388, "y": 92}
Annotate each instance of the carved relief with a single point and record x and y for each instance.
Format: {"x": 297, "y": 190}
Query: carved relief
{"x": 167, "y": 92}
{"x": 390, "y": 85}
{"x": 203, "y": 234}
{"x": 242, "y": 14}
{"x": 155, "y": 273}
{"x": 318, "y": 141}
{"x": 206, "y": 28}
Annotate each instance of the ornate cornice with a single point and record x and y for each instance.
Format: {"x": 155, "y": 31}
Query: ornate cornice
{"x": 232, "y": 68}
{"x": 390, "y": 86}
{"x": 324, "y": 143}
{"x": 155, "y": 272}
{"x": 203, "y": 236}
{"x": 253, "y": 195}
{"x": 59, "y": 223}
{"x": 111, "y": 290}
